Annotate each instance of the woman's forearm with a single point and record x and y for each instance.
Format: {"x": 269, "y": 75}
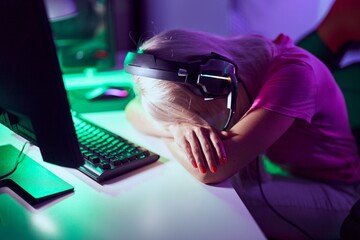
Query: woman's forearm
{"x": 224, "y": 171}
{"x": 247, "y": 140}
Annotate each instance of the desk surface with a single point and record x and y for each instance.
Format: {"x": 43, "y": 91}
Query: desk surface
{"x": 160, "y": 201}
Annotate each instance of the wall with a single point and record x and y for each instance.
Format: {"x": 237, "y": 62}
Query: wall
{"x": 228, "y": 17}
{"x": 205, "y": 15}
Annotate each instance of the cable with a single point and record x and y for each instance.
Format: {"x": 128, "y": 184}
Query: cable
{"x": 17, "y": 161}
{"x": 272, "y": 208}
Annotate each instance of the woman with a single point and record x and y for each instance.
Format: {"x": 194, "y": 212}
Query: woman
{"x": 287, "y": 107}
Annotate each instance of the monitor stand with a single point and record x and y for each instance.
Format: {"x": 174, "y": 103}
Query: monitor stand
{"x": 31, "y": 181}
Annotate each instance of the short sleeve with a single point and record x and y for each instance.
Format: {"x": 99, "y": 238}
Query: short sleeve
{"x": 289, "y": 88}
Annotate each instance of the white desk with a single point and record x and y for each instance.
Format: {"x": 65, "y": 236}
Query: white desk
{"x": 161, "y": 201}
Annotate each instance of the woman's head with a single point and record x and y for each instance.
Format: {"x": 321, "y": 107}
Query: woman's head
{"x": 169, "y": 102}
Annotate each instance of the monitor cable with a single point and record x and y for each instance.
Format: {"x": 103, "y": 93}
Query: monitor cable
{"x": 272, "y": 208}
{"x": 17, "y": 162}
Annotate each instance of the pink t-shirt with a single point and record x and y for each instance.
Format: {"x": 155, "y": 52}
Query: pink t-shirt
{"x": 319, "y": 144}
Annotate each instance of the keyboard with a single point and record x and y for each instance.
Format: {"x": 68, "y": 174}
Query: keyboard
{"x": 106, "y": 154}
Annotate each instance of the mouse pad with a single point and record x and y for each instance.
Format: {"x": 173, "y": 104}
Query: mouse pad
{"x": 31, "y": 181}
{"x": 79, "y": 102}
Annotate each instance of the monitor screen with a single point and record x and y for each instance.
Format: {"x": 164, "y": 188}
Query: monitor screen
{"x": 83, "y": 33}
{"x": 33, "y": 100}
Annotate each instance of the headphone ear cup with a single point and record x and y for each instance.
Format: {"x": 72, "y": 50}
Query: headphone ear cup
{"x": 215, "y": 85}
{"x": 215, "y": 76}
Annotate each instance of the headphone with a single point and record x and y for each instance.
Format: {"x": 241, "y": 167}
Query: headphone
{"x": 210, "y": 76}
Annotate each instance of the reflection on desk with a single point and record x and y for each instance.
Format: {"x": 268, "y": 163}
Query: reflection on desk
{"x": 160, "y": 201}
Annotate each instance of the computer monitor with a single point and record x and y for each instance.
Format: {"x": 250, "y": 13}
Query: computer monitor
{"x": 33, "y": 100}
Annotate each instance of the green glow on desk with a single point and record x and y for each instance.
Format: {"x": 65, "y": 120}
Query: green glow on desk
{"x": 90, "y": 78}
{"x": 44, "y": 224}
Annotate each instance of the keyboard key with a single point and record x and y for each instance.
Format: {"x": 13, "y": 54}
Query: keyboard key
{"x": 116, "y": 161}
{"x": 93, "y": 159}
{"x": 104, "y": 165}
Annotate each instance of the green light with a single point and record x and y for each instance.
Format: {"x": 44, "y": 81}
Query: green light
{"x": 273, "y": 168}
{"x": 129, "y": 58}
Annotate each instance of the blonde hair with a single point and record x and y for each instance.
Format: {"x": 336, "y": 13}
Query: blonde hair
{"x": 169, "y": 102}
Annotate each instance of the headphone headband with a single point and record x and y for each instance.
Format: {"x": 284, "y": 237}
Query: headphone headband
{"x": 210, "y": 76}
{"x": 148, "y": 65}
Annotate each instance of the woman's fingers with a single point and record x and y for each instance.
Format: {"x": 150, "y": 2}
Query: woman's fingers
{"x": 185, "y": 145}
{"x": 202, "y": 146}
{"x": 183, "y": 138}
{"x": 219, "y": 147}
{"x": 196, "y": 150}
{"x": 205, "y": 137}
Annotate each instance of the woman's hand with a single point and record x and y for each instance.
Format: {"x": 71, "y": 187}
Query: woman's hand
{"x": 201, "y": 144}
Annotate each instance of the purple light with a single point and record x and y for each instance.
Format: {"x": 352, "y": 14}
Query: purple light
{"x": 116, "y": 92}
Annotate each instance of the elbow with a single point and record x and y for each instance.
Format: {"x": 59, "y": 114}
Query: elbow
{"x": 209, "y": 178}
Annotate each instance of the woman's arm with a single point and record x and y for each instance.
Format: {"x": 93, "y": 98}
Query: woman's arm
{"x": 141, "y": 121}
{"x": 247, "y": 140}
